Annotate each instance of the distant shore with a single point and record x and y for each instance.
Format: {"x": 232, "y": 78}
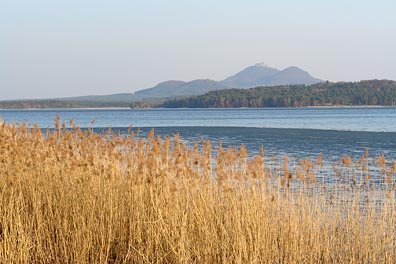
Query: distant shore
{"x": 148, "y": 108}
{"x": 349, "y": 106}
{"x": 71, "y": 108}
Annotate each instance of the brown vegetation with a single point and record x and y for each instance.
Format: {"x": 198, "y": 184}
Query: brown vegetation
{"x": 72, "y": 196}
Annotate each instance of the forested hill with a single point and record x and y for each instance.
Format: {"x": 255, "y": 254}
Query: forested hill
{"x": 373, "y": 92}
{"x": 49, "y": 104}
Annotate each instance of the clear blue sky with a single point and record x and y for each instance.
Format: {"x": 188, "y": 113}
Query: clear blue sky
{"x": 57, "y": 48}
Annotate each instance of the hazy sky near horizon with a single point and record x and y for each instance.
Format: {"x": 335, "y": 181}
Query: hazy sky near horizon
{"x": 72, "y": 47}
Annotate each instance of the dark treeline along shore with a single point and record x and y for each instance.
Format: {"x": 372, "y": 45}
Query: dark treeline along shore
{"x": 373, "y": 92}
{"x": 56, "y": 104}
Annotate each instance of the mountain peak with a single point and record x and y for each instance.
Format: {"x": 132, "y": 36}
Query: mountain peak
{"x": 294, "y": 68}
{"x": 292, "y": 75}
{"x": 251, "y": 76}
{"x": 263, "y": 64}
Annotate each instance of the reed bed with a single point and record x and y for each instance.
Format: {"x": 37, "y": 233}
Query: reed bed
{"x": 73, "y": 196}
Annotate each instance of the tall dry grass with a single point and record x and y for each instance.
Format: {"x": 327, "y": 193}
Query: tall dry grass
{"x": 72, "y": 196}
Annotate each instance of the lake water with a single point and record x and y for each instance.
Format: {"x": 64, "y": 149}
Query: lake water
{"x": 302, "y": 132}
{"x": 344, "y": 119}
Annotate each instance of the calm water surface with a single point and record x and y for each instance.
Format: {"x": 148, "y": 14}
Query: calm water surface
{"x": 353, "y": 119}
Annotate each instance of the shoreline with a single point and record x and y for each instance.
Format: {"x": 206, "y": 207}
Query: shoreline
{"x": 149, "y": 108}
{"x": 72, "y": 108}
{"x": 350, "y": 106}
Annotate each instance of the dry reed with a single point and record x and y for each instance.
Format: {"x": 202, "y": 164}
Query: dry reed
{"x": 73, "y": 196}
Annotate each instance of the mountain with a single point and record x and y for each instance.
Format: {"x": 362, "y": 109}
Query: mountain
{"x": 162, "y": 89}
{"x": 291, "y": 75}
{"x": 179, "y": 88}
{"x": 200, "y": 86}
{"x": 252, "y": 76}
{"x": 263, "y": 75}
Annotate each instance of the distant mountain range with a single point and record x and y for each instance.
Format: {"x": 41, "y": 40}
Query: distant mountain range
{"x": 252, "y": 76}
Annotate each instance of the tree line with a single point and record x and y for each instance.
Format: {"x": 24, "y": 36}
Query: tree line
{"x": 46, "y": 104}
{"x": 373, "y": 92}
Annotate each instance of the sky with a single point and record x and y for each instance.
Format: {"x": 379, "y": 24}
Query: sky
{"x": 60, "y": 48}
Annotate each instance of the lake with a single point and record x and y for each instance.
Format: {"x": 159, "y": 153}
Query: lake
{"x": 300, "y": 132}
